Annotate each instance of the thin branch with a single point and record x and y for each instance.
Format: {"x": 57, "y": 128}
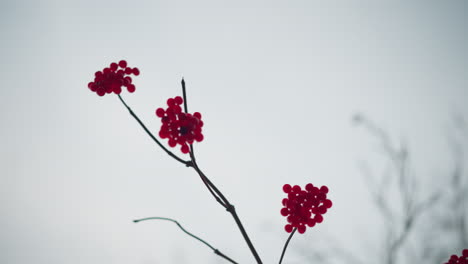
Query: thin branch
{"x": 209, "y": 185}
{"x": 377, "y": 196}
{"x": 186, "y": 163}
{"x": 219, "y": 196}
{"x": 216, "y": 251}
{"x": 422, "y": 206}
{"x": 184, "y": 96}
{"x": 192, "y": 156}
{"x": 286, "y": 245}
{"x": 399, "y": 157}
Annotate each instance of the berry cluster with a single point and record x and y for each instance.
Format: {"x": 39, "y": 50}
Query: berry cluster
{"x": 304, "y": 207}
{"x": 111, "y": 79}
{"x": 463, "y": 259}
{"x": 179, "y": 127}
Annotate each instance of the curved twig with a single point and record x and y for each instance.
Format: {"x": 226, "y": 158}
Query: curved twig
{"x": 216, "y": 251}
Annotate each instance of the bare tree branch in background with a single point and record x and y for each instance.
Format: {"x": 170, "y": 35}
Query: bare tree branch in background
{"x": 421, "y": 224}
{"x": 459, "y": 180}
{"x": 418, "y": 221}
{"x": 403, "y": 207}
{"x": 451, "y": 218}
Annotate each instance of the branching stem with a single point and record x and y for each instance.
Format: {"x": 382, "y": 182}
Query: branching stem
{"x": 219, "y": 196}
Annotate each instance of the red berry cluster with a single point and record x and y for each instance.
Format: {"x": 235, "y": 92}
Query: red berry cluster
{"x": 179, "y": 127}
{"x": 304, "y": 207}
{"x": 111, "y": 79}
{"x": 463, "y": 259}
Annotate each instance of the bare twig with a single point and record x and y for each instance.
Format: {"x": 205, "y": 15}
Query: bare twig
{"x": 216, "y": 251}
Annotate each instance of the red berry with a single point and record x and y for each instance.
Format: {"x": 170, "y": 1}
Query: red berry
{"x": 327, "y": 203}
{"x": 310, "y": 222}
{"x": 128, "y": 70}
{"x": 199, "y": 137}
{"x": 322, "y": 209}
{"x": 288, "y": 228}
{"x": 113, "y": 66}
{"x": 178, "y": 100}
{"x": 160, "y": 112}
{"x": 181, "y": 141}
{"x": 301, "y": 229}
{"x": 197, "y": 115}
{"x": 136, "y": 71}
{"x": 117, "y": 89}
{"x": 109, "y": 88}
{"x": 296, "y": 188}
{"x": 287, "y": 188}
{"x": 170, "y": 102}
{"x": 321, "y": 196}
{"x": 184, "y": 149}
{"x": 93, "y": 87}
{"x": 122, "y": 64}
{"x": 163, "y": 134}
{"x": 318, "y": 218}
{"x": 177, "y": 109}
{"x": 172, "y": 142}
{"x": 465, "y": 253}
{"x": 284, "y": 211}
{"x": 324, "y": 189}
{"x": 131, "y": 88}
{"x": 101, "y": 92}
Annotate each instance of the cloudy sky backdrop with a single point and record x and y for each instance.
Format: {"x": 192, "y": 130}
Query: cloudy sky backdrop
{"x": 277, "y": 83}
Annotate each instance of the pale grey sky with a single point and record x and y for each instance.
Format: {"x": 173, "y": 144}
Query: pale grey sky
{"x": 277, "y": 83}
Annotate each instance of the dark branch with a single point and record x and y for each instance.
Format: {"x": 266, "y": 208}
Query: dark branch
{"x": 186, "y": 163}
{"x": 217, "y": 194}
{"x": 286, "y": 245}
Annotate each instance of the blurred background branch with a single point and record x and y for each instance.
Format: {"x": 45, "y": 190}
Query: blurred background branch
{"x": 423, "y": 222}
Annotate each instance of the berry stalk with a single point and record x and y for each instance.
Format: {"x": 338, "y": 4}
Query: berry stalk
{"x": 286, "y": 245}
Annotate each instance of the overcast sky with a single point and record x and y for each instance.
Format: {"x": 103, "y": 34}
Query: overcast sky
{"x": 277, "y": 83}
